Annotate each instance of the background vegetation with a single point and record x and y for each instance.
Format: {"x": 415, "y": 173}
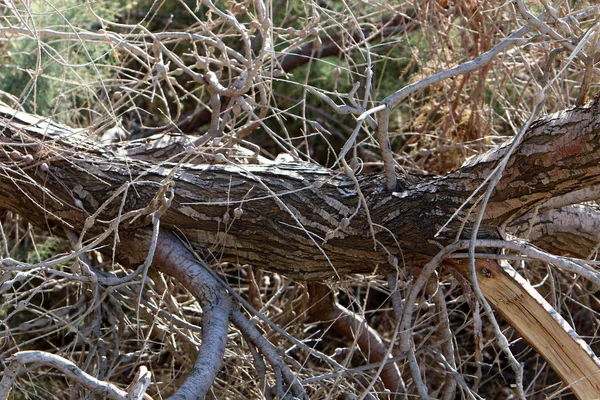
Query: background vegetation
{"x": 358, "y": 53}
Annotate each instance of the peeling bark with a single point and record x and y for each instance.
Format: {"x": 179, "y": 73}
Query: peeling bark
{"x": 295, "y": 218}
{"x": 571, "y": 231}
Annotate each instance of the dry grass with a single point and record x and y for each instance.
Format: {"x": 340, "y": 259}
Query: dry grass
{"x": 128, "y": 76}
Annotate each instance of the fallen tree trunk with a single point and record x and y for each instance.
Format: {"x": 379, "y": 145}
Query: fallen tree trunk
{"x": 297, "y": 218}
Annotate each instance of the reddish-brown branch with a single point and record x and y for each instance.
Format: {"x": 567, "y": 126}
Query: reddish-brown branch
{"x": 324, "y": 308}
{"x": 332, "y": 45}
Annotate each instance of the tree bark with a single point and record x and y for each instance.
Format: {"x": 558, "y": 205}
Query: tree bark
{"x": 299, "y": 218}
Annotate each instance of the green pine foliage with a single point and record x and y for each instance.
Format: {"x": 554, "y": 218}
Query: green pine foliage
{"x": 57, "y": 76}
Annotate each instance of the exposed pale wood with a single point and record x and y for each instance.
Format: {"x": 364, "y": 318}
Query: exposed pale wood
{"x": 540, "y": 325}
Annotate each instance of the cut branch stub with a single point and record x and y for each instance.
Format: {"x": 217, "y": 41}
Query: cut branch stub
{"x": 540, "y": 325}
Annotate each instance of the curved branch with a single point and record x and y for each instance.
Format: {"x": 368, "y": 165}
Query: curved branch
{"x": 68, "y": 368}
{"x": 269, "y": 351}
{"x": 172, "y": 258}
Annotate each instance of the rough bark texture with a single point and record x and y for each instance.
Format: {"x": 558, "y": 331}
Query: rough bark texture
{"x": 569, "y": 231}
{"x": 296, "y": 218}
